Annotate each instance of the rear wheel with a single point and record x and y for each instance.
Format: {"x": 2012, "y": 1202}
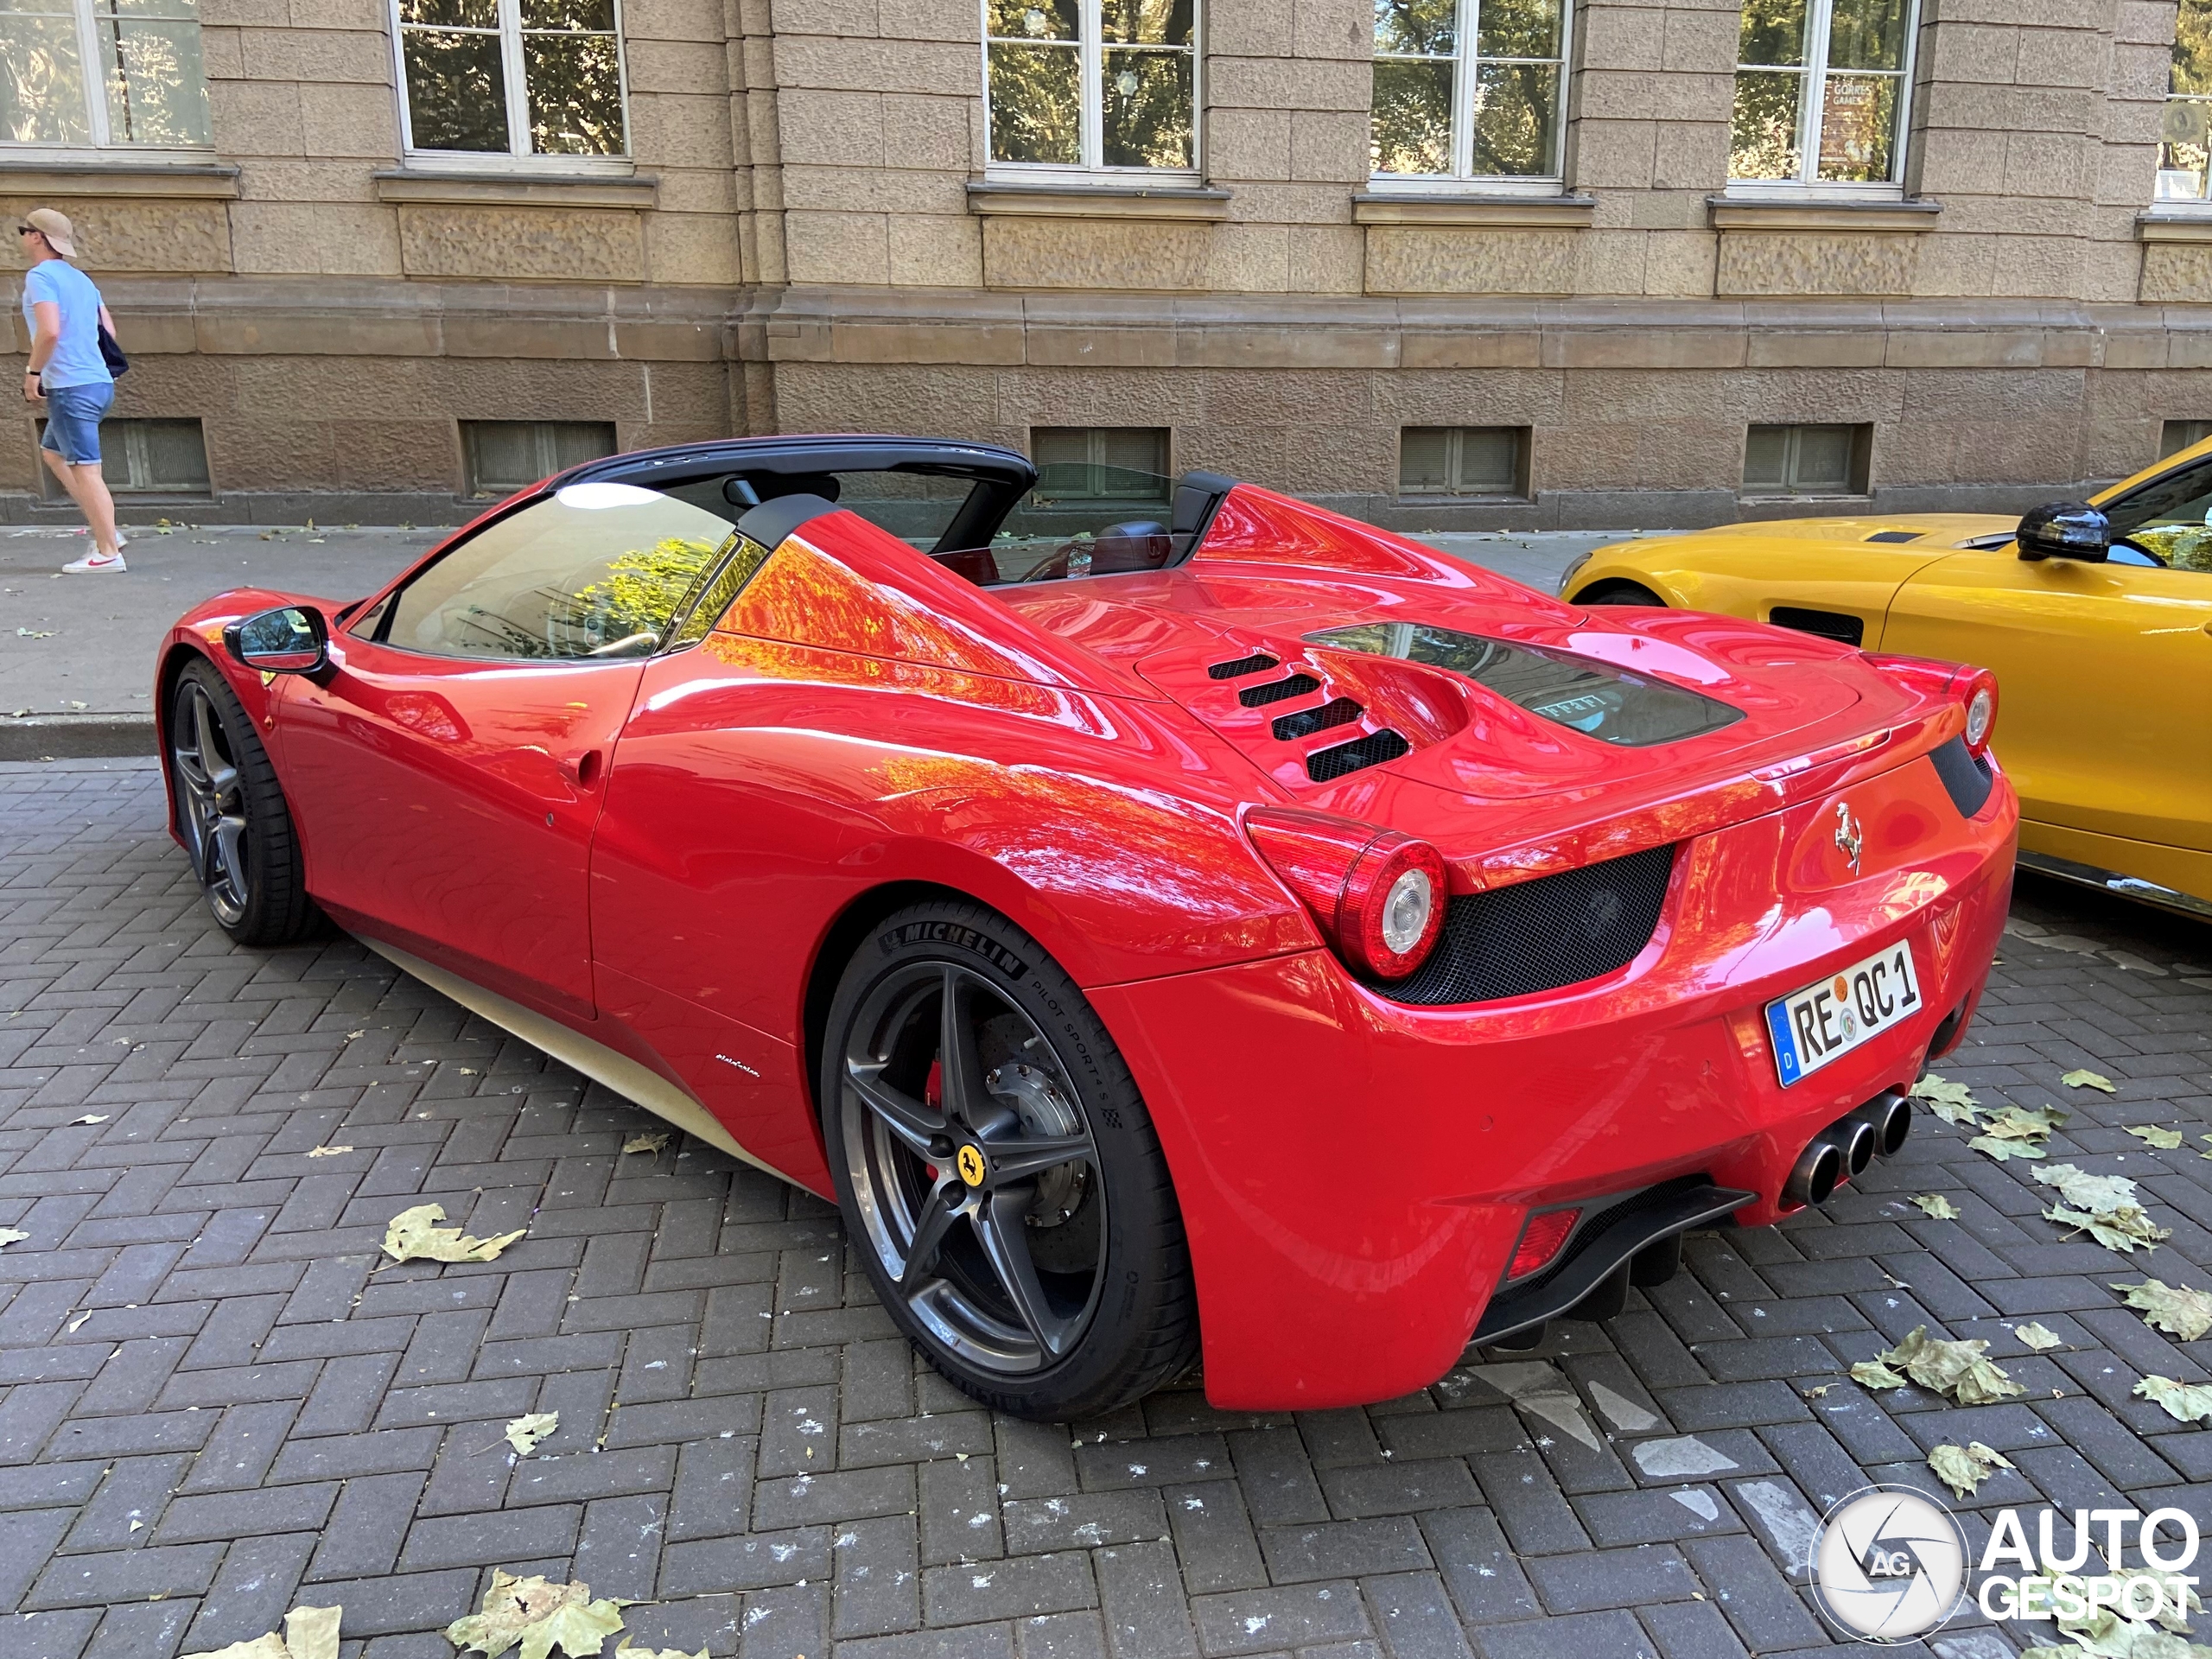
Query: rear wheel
{"x": 232, "y": 812}
{"x": 998, "y": 1172}
{"x": 1619, "y": 593}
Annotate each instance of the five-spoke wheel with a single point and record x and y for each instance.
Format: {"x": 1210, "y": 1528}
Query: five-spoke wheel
{"x": 997, "y": 1183}
{"x": 231, "y": 813}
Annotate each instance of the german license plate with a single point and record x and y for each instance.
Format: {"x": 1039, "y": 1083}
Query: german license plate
{"x": 1827, "y": 1020}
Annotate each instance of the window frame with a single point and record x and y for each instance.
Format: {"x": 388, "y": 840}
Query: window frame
{"x": 2200, "y": 204}
{"x": 1523, "y": 439}
{"x": 1468, "y": 20}
{"x": 1090, "y": 47}
{"x": 1812, "y": 111}
{"x": 1858, "y": 482}
{"x": 104, "y": 146}
{"x": 518, "y": 156}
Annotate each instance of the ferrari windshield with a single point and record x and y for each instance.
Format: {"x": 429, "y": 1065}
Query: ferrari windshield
{"x": 1595, "y": 698}
{"x": 1086, "y": 516}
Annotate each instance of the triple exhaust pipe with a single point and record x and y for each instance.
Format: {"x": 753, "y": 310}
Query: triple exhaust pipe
{"x": 1848, "y": 1146}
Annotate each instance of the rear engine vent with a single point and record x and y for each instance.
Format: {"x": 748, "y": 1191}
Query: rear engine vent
{"x": 1541, "y": 935}
{"x": 1373, "y": 750}
{"x": 1828, "y": 625}
{"x": 1241, "y": 666}
{"x": 1896, "y": 534}
{"x": 1306, "y": 722}
{"x": 1966, "y": 777}
{"x": 1257, "y": 696}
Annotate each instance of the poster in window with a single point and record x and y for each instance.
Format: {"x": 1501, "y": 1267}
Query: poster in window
{"x": 1855, "y": 119}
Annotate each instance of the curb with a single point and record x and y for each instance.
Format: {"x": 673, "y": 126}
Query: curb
{"x": 77, "y": 737}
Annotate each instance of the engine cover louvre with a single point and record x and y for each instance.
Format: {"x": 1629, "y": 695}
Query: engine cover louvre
{"x": 1323, "y": 765}
{"x": 1296, "y": 685}
{"x": 1544, "y": 934}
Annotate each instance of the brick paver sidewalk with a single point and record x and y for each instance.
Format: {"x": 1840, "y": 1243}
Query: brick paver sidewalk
{"x": 211, "y": 1407}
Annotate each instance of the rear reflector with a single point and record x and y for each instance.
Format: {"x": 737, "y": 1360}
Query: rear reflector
{"x": 1540, "y": 1241}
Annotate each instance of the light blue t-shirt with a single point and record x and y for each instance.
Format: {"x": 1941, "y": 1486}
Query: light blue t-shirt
{"x": 76, "y": 360}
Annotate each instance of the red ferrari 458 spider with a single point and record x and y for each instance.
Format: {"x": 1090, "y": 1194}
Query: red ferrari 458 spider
{"x": 1170, "y": 920}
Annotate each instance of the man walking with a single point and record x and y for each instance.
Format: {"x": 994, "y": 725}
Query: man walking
{"x": 68, "y": 377}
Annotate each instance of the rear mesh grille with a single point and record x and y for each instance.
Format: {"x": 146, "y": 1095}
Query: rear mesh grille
{"x": 1966, "y": 777}
{"x": 1372, "y": 750}
{"x": 1258, "y": 696}
{"x": 1540, "y": 935}
{"x": 1241, "y": 666}
{"x": 1306, "y": 722}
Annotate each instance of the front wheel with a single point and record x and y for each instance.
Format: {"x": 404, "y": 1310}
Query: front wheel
{"x": 1618, "y": 592}
{"x": 231, "y": 812}
{"x": 998, "y": 1172}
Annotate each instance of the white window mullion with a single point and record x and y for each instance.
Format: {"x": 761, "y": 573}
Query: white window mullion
{"x": 1094, "y": 84}
{"x": 511, "y": 68}
{"x": 1816, "y": 90}
{"x": 88, "y": 53}
{"x": 1463, "y": 89}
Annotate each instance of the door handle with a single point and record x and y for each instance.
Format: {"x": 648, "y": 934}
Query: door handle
{"x": 583, "y": 769}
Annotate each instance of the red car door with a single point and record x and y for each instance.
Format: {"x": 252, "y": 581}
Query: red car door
{"x": 448, "y": 771}
{"x": 459, "y": 803}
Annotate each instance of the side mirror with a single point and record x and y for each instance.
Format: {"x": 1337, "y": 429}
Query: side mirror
{"x": 290, "y": 639}
{"x": 2065, "y": 530}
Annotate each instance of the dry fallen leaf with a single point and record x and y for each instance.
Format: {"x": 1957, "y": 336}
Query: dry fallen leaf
{"x": 2088, "y": 1079}
{"x": 414, "y": 1235}
{"x": 11, "y": 1235}
{"x": 2102, "y": 1205}
{"x": 2040, "y": 1338}
{"x": 1963, "y": 1468}
{"x": 625, "y": 1651}
{"x": 2187, "y": 1313}
{"x": 309, "y": 1633}
{"x": 1935, "y": 1205}
{"x": 525, "y": 1432}
{"x": 1956, "y": 1368}
{"x": 78, "y": 1323}
{"x": 2165, "y": 1140}
{"x": 538, "y": 1616}
{"x": 2017, "y": 1131}
{"x": 2190, "y": 1402}
{"x": 1951, "y": 1102}
{"x": 1820, "y": 1393}
{"x": 89, "y": 1117}
{"x": 327, "y": 1151}
{"x": 650, "y": 1140}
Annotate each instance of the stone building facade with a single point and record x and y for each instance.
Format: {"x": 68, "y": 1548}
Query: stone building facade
{"x": 805, "y": 218}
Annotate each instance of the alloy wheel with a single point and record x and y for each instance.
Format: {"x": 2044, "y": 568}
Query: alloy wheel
{"x": 212, "y": 799}
{"x": 975, "y": 1174}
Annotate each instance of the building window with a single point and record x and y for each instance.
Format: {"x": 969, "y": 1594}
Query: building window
{"x": 2177, "y": 435}
{"x": 503, "y": 456}
{"x": 1807, "y": 460}
{"x": 518, "y": 77}
{"x": 96, "y": 73}
{"x": 1468, "y": 88}
{"x": 1820, "y": 92}
{"x": 1101, "y": 463}
{"x": 1463, "y": 461}
{"x": 1092, "y": 84}
{"x": 2183, "y": 142}
{"x": 143, "y": 457}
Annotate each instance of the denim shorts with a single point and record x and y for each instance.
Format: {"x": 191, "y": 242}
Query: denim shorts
{"x": 73, "y": 421}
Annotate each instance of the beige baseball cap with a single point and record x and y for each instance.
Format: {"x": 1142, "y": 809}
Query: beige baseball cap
{"x": 61, "y": 235}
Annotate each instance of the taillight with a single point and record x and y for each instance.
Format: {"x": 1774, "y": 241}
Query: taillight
{"x": 1378, "y": 896}
{"x": 1975, "y": 688}
{"x": 1540, "y": 1240}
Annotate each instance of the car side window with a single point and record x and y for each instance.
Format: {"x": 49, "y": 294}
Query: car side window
{"x": 2169, "y": 517}
{"x": 594, "y": 570}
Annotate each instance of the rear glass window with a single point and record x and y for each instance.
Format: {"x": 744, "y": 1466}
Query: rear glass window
{"x": 1081, "y": 518}
{"x": 1594, "y": 698}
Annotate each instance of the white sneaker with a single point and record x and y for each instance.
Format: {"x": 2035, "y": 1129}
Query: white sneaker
{"x": 94, "y": 563}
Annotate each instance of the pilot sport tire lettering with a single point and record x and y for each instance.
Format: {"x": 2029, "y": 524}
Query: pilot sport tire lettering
{"x": 997, "y": 1170}
{"x": 231, "y": 814}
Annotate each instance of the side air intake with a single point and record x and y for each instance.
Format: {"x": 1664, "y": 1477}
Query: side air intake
{"x": 1543, "y": 935}
{"x": 1306, "y": 722}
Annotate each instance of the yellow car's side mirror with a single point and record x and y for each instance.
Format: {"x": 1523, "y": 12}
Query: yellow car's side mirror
{"x": 2065, "y": 530}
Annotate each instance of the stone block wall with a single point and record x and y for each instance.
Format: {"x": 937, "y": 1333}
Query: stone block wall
{"x": 813, "y": 239}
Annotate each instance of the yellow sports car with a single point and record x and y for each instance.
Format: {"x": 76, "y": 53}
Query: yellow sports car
{"x": 2095, "y": 617}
